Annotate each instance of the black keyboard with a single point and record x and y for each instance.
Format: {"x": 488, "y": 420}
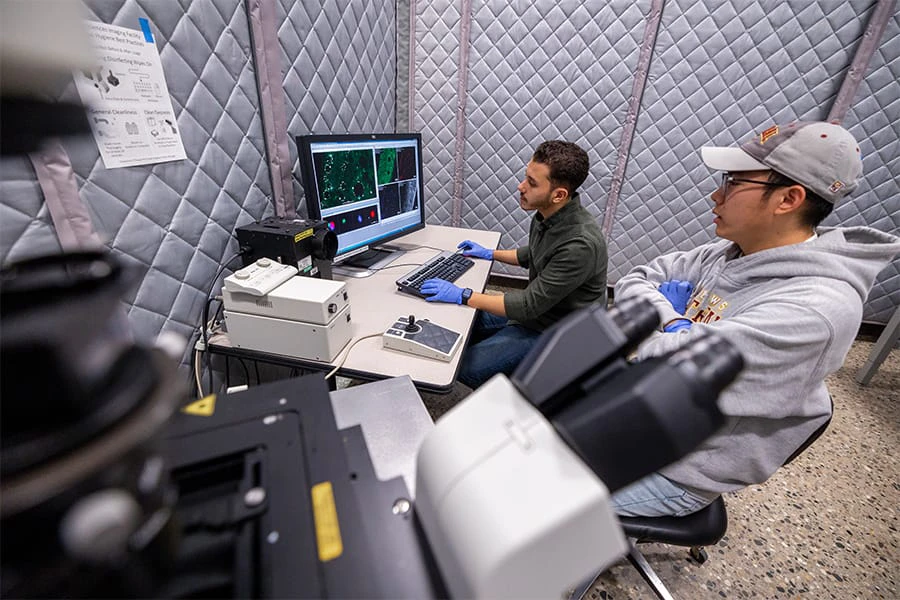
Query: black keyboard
{"x": 446, "y": 265}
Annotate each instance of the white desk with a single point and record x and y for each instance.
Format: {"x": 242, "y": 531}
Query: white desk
{"x": 375, "y": 304}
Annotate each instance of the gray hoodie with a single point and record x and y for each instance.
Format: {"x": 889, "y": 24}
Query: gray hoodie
{"x": 793, "y": 312}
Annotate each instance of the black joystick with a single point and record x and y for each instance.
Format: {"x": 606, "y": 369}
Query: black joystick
{"x": 411, "y": 323}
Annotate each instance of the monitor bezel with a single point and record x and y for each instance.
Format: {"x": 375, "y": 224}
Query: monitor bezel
{"x": 307, "y": 178}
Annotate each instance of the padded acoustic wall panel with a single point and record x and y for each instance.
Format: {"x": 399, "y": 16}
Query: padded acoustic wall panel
{"x": 721, "y": 71}
{"x": 549, "y": 70}
{"x": 171, "y": 222}
{"x": 538, "y": 71}
{"x": 874, "y": 118}
{"x": 436, "y": 66}
{"x": 340, "y": 68}
{"x": 25, "y": 226}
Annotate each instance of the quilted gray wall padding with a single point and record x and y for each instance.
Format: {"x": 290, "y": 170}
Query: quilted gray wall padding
{"x": 171, "y": 222}
{"x": 340, "y": 68}
{"x": 544, "y": 71}
{"x": 719, "y": 72}
{"x": 537, "y": 72}
{"x": 25, "y": 226}
{"x": 436, "y": 63}
{"x": 874, "y": 118}
{"x": 406, "y": 23}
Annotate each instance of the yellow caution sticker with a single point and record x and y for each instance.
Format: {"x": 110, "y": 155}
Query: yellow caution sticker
{"x": 204, "y": 407}
{"x": 303, "y": 235}
{"x": 328, "y": 530}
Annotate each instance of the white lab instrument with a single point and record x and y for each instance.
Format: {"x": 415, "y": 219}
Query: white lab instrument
{"x": 509, "y": 509}
{"x": 271, "y": 309}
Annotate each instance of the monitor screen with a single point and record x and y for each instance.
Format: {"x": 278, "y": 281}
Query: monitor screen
{"x": 366, "y": 187}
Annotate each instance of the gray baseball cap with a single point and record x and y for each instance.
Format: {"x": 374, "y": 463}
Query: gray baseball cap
{"x": 821, "y": 156}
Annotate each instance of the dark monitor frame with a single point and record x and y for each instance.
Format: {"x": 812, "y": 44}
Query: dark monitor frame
{"x": 367, "y": 253}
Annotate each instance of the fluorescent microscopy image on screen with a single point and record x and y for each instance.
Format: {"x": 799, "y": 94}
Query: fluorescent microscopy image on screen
{"x": 406, "y": 163}
{"x": 409, "y": 195}
{"x": 389, "y": 199}
{"x": 344, "y": 177}
{"x": 353, "y": 220}
{"x": 386, "y": 162}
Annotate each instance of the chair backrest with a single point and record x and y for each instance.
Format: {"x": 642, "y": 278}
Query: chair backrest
{"x": 815, "y": 435}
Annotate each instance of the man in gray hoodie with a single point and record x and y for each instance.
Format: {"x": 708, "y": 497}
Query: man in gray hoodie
{"x": 786, "y": 292}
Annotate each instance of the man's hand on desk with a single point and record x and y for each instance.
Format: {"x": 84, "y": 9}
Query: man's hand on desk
{"x": 438, "y": 290}
{"x": 470, "y": 248}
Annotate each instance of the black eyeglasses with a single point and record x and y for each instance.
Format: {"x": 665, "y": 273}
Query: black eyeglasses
{"x": 727, "y": 179}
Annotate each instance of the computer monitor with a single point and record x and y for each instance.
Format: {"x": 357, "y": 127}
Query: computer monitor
{"x": 367, "y": 187}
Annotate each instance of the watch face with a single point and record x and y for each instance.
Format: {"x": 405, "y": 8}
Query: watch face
{"x": 466, "y": 294}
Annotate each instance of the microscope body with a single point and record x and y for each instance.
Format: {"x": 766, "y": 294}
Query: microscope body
{"x": 504, "y": 501}
{"x": 513, "y": 484}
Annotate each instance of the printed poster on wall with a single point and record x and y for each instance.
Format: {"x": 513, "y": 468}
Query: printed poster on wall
{"x": 127, "y": 98}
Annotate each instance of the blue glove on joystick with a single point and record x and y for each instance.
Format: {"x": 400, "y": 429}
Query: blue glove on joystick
{"x": 438, "y": 290}
{"x": 678, "y": 293}
{"x": 470, "y": 248}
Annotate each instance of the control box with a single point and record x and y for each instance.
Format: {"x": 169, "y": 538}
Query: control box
{"x": 297, "y": 299}
{"x": 269, "y": 308}
{"x": 259, "y": 277}
{"x": 310, "y": 341}
{"x": 422, "y": 338}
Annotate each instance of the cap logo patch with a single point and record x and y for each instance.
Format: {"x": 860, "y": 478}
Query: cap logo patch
{"x": 765, "y": 135}
{"x": 836, "y": 186}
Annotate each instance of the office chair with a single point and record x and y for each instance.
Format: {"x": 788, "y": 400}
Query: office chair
{"x": 696, "y": 530}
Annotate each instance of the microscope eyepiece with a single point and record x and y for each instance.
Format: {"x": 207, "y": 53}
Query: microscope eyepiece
{"x": 710, "y": 363}
{"x": 636, "y": 319}
{"x": 585, "y": 345}
{"x": 643, "y": 417}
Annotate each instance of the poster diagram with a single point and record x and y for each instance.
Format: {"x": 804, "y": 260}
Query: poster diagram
{"x": 128, "y": 102}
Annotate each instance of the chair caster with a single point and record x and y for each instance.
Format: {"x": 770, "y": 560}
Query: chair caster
{"x": 699, "y": 554}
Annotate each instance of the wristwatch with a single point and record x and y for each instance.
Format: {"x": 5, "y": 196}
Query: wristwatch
{"x": 466, "y": 294}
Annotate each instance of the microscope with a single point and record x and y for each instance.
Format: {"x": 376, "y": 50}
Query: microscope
{"x": 513, "y": 484}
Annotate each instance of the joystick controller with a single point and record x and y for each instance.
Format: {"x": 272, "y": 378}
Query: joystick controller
{"x": 422, "y": 338}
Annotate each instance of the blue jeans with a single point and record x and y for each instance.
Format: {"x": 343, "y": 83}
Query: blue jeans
{"x": 496, "y": 346}
{"x": 655, "y": 496}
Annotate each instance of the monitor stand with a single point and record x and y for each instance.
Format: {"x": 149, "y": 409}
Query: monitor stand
{"x": 368, "y": 262}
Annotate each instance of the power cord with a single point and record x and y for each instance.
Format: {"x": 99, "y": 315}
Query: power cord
{"x": 369, "y": 271}
{"x": 204, "y": 326}
{"x": 433, "y": 248}
{"x": 346, "y": 354}
{"x": 395, "y": 266}
{"x": 197, "y": 373}
{"x": 410, "y": 264}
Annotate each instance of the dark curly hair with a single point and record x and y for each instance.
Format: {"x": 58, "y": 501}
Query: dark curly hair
{"x": 568, "y": 163}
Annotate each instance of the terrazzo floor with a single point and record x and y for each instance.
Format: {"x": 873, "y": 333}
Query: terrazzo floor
{"x": 825, "y": 526}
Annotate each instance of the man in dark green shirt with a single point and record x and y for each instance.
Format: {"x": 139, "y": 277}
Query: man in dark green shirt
{"x": 566, "y": 260}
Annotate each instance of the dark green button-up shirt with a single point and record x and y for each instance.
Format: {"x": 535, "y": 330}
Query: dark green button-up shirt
{"x": 566, "y": 260}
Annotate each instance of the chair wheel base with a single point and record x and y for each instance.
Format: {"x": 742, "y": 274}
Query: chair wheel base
{"x": 699, "y": 554}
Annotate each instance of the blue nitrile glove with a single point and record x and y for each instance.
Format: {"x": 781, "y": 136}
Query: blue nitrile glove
{"x": 677, "y": 325}
{"x": 470, "y": 248}
{"x": 438, "y": 290}
{"x": 678, "y": 293}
